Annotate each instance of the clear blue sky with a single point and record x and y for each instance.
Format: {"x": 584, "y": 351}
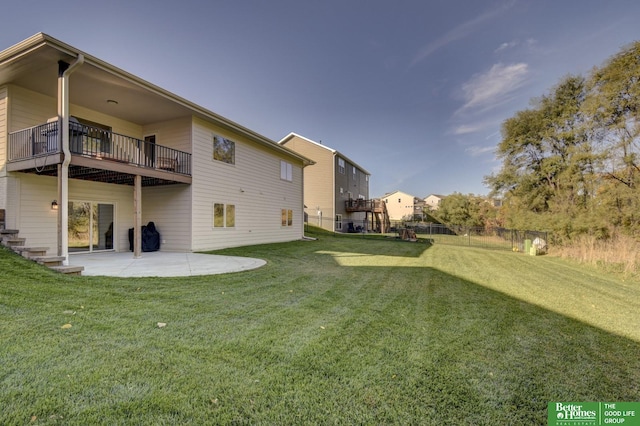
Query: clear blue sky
{"x": 414, "y": 91}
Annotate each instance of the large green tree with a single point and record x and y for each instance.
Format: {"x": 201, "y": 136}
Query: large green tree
{"x": 613, "y": 108}
{"x": 571, "y": 162}
{"x": 467, "y": 211}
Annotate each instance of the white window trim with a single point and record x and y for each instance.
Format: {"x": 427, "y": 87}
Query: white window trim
{"x": 286, "y": 171}
{"x": 224, "y": 216}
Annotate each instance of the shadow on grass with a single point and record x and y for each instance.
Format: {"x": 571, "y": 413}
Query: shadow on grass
{"x": 309, "y": 339}
{"x": 465, "y": 353}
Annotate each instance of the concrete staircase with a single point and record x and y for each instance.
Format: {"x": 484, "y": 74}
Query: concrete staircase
{"x": 11, "y": 240}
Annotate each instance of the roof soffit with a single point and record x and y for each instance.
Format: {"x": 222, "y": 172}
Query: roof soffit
{"x": 33, "y": 64}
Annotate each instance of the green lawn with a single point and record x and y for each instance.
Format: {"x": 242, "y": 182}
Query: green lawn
{"x": 343, "y": 330}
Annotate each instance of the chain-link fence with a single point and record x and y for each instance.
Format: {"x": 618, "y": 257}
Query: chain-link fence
{"x": 495, "y": 238}
{"x": 347, "y": 226}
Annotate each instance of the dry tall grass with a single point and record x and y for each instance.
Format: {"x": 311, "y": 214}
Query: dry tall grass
{"x": 620, "y": 253}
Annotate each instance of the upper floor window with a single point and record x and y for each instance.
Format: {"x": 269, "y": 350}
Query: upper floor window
{"x": 224, "y": 150}
{"x": 354, "y": 171}
{"x": 341, "y": 165}
{"x": 286, "y": 171}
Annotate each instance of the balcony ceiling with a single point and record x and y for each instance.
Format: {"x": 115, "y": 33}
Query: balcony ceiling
{"x": 33, "y": 64}
{"x": 91, "y": 85}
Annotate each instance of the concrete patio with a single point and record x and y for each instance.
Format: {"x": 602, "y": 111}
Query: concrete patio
{"x": 161, "y": 264}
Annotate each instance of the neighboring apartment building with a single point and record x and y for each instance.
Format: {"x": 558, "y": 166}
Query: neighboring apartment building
{"x": 329, "y": 183}
{"x": 89, "y": 151}
{"x": 401, "y": 206}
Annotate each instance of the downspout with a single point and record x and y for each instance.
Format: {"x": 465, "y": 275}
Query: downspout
{"x": 64, "y": 71}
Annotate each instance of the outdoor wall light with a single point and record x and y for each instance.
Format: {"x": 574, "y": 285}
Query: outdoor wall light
{"x": 54, "y": 205}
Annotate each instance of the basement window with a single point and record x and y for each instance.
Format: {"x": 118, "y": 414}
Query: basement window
{"x": 224, "y": 215}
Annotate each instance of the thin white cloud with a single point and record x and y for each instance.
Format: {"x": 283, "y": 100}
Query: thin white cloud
{"x": 459, "y": 32}
{"x": 484, "y": 91}
{"x": 476, "y": 151}
{"x": 465, "y": 129}
{"x": 527, "y": 44}
{"x": 506, "y": 45}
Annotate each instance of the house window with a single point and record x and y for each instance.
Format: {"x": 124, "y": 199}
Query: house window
{"x": 399, "y": 200}
{"x": 341, "y": 190}
{"x": 354, "y": 171}
{"x": 341, "y": 165}
{"x": 286, "y": 171}
{"x": 338, "y": 221}
{"x": 366, "y": 178}
{"x": 287, "y": 217}
{"x": 224, "y": 215}
{"x": 224, "y": 150}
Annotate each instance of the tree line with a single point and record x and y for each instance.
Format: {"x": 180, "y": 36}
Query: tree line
{"x": 570, "y": 162}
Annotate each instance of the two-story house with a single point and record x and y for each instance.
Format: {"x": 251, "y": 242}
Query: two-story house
{"x": 89, "y": 151}
{"x": 329, "y": 184}
{"x": 402, "y": 206}
{"x": 432, "y": 201}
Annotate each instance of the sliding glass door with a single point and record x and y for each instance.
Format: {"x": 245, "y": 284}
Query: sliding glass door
{"x": 90, "y": 226}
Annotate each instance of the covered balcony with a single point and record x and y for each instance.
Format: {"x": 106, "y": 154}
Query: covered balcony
{"x": 97, "y": 155}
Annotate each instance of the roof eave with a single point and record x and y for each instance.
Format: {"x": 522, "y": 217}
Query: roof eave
{"x": 42, "y": 39}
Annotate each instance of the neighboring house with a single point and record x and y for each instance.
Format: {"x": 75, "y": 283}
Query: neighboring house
{"x": 433, "y": 201}
{"x": 133, "y": 153}
{"x": 401, "y": 205}
{"x": 333, "y": 180}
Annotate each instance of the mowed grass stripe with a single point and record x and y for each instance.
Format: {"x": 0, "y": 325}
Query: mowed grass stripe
{"x": 342, "y": 330}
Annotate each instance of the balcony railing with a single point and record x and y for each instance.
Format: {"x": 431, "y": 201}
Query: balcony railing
{"x": 361, "y": 205}
{"x": 97, "y": 143}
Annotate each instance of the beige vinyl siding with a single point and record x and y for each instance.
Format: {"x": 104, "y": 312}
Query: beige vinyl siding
{"x": 29, "y": 108}
{"x": 318, "y": 180}
{"x": 38, "y": 223}
{"x": 34, "y": 218}
{"x": 397, "y": 210}
{"x": 24, "y": 109}
{"x": 174, "y": 134}
{"x": 117, "y": 125}
{"x": 252, "y": 184}
{"x": 3, "y": 147}
{"x": 3, "y": 130}
{"x": 169, "y": 207}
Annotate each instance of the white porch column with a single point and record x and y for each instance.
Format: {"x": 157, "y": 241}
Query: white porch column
{"x": 64, "y": 71}
{"x": 137, "y": 217}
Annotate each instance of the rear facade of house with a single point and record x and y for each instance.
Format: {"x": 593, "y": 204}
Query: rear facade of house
{"x": 330, "y": 183}
{"x": 400, "y": 205}
{"x": 89, "y": 152}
